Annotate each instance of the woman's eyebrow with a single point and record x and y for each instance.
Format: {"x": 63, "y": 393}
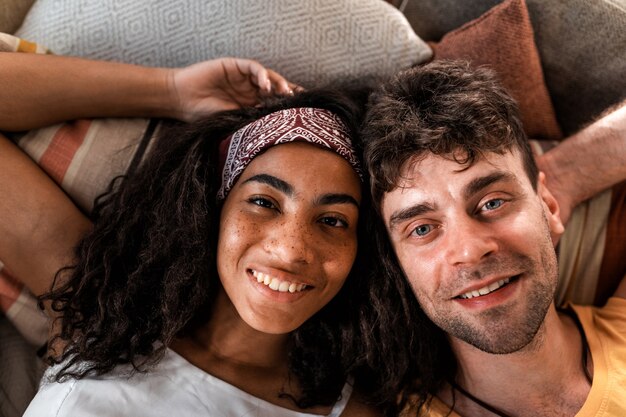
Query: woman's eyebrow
{"x": 272, "y": 181}
{"x": 286, "y": 188}
{"x": 337, "y": 198}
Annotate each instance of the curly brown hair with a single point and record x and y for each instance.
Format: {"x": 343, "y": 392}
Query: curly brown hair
{"x": 147, "y": 271}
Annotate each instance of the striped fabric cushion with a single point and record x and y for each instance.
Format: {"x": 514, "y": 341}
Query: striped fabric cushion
{"x": 20, "y": 307}
{"x": 83, "y": 156}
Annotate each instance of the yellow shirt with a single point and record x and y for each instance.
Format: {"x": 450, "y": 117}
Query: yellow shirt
{"x": 605, "y": 329}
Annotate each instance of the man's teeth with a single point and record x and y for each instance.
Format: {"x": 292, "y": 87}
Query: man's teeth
{"x": 485, "y": 290}
{"x": 276, "y": 284}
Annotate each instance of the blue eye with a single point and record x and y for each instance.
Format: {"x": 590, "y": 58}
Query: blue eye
{"x": 423, "y": 229}
{"x": 493, "y": 204}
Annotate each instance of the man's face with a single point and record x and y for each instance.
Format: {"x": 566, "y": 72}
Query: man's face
{"x": 475, "y": 247}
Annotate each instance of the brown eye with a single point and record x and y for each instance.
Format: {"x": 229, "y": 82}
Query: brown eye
{"x": 334, "y": 222}
{"x": 262, "y": 202}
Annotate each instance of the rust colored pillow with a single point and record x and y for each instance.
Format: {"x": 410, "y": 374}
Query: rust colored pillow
{"x": 502, "y": 39}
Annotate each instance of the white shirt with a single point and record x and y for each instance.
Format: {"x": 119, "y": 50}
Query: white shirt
{"x": 174, "y": 387}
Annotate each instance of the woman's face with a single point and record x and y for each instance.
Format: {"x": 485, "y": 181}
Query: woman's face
{"x": 288, "y": 235}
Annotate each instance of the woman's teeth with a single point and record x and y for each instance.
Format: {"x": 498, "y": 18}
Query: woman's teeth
{"x": 276, "y": 284}
{"x": 485, "y": 290}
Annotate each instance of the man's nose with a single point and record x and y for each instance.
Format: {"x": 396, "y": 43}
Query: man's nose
{"x": 469, "y": 241}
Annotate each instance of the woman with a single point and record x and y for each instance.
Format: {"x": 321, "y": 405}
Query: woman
{"x": 242, "y": 315}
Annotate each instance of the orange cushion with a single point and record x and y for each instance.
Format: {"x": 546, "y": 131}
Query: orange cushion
{"x": 502, "y": 39}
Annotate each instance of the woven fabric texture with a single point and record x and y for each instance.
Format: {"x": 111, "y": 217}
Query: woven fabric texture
{"x": 308, "y": 41}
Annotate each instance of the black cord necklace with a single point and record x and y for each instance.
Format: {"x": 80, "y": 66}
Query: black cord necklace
{"x": 478, "y": 401}
{"x": 500, "y": 413}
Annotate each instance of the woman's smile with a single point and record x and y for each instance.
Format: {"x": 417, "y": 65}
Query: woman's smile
{"x": 277, "y": 284}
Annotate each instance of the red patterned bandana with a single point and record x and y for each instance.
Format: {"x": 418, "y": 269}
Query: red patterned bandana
{"x": 305, "y": 124}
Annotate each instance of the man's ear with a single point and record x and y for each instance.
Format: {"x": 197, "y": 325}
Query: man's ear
{"x": 551, "y": 209}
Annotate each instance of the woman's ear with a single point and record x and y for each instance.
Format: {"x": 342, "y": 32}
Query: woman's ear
{"x": 551, "y": 207}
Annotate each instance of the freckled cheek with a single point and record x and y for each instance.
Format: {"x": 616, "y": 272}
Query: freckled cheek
{"x": 235, "y": 236}
{"x": 338, "y": 261}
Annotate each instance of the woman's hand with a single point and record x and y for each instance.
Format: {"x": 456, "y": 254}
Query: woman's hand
{"x": 222, "y": 84}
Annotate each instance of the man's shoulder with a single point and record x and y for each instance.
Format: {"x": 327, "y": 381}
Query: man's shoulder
{"x": 605, "y": 331}
{"x": 613, "y": 311}
{"x": 606, "y": 323}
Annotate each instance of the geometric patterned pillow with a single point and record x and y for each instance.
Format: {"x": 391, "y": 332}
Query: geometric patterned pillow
{"x": 307, "y": 41}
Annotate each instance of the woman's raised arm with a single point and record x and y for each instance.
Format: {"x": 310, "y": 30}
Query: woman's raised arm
{"x": 40, "y": 90}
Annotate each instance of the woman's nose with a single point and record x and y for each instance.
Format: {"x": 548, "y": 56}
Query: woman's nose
{"x": 293, "y": 241}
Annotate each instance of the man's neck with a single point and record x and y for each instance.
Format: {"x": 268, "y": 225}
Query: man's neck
{"x": 544, "y": 378}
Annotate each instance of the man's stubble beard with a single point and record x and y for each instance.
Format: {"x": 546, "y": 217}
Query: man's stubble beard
{"x": 495, "y": 331}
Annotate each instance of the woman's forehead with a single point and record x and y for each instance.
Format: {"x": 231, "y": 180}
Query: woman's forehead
{"x": 305, "y": 165}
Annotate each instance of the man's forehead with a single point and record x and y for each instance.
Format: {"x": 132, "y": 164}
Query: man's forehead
{"x": 424, "y": 176}
{"x": 419, "y": 168}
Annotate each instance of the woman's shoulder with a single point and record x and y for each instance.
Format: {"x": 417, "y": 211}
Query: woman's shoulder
{"x": 99, "y": 396}
{"x": 50, "y": 399}
{"x": 121, "y": 392}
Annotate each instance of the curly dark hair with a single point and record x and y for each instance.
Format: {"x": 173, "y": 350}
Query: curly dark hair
{"x": 450, "y": 110}
{"x": 147, "y": 271}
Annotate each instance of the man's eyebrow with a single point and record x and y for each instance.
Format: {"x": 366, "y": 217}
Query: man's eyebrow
{"x": 272, "y": 181}
{"x": 338, "y": 198}
{"x": 408, "y": 213}
{"x": 480, "y": 183}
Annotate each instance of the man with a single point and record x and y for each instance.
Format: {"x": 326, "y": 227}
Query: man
{"x": 468, "y": 222}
